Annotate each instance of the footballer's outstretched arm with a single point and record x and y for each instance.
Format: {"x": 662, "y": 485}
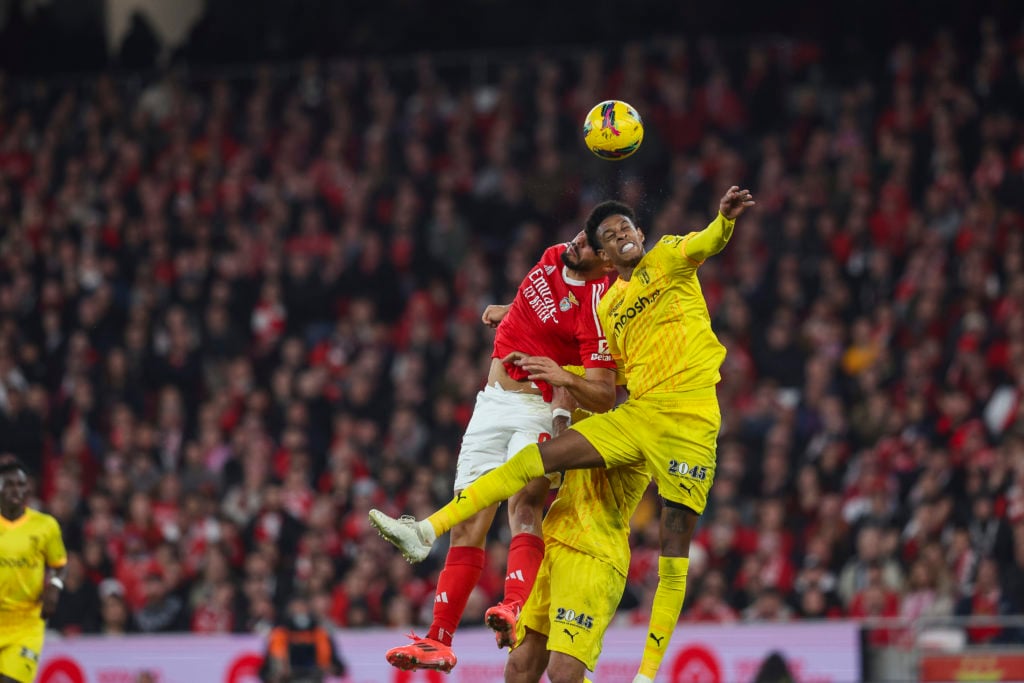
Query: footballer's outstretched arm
{"x": 713, "y": 238}
{"x": 595, "y": 391}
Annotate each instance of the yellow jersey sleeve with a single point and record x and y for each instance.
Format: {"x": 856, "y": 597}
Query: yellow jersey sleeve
{"x": 55, "y": 555}
{"x": 698, "y": 246}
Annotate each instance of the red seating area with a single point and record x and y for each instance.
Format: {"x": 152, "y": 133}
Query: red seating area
{"x": 238, "y": 310}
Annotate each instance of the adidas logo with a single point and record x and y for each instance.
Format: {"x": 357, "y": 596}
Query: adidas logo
{"x": 441, "y": 597}
{"x": 548, "y": 270}
{"x": 517, "y": 575}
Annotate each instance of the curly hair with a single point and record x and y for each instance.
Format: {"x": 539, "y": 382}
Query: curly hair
{"x": 600, "y": 213}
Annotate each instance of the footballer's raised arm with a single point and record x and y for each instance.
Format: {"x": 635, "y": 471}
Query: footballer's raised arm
{"x": 712, "y": 239}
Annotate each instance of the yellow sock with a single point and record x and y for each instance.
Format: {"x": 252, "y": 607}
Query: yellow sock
{"x": 668, "y": 602}
{"x": 497, "y": 485}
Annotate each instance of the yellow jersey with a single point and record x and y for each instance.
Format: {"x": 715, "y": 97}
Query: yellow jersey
{"x": 592, "y": 511}
{"x": 593, "y": 507}
{"x": 657, "y": 322}
{"x": 28, "y": 545}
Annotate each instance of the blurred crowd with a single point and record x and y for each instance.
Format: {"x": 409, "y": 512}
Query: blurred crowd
{"x": 237, "y": 312}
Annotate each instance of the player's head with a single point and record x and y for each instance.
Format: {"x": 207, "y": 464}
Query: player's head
{"x": 612, "y": 233}
{"x": 580, "y": 256}
{"x": 13, "y": 483}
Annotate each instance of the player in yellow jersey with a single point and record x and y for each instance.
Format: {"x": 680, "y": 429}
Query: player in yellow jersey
{"x": 32, "y": 560}
{"x": 659, "y": 330}
{"x": 586, "y": 534}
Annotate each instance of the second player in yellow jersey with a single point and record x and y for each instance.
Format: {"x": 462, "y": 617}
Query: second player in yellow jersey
{"x": 583, "y": 575}
{"x": 32, "y": 558}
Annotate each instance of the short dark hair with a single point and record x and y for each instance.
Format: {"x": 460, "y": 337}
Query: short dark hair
{"x": 600, "y": 212}
{"x": 10, "y": 463}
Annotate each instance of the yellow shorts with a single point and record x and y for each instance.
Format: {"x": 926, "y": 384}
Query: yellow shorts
{"x": 21, "y": 644}
{"x": 677, "y": 435}
{"x": 572, "y": 602}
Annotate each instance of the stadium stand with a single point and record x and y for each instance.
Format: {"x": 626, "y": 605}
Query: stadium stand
{"x": 239, "y": 309}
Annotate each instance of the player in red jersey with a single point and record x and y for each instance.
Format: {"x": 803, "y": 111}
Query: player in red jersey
{"x": 551, "y": 322}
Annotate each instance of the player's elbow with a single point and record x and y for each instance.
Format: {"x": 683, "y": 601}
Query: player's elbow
{"x": 604, "y": 400}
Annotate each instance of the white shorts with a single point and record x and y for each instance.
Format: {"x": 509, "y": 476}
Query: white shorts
{"x": 503, "y": 423}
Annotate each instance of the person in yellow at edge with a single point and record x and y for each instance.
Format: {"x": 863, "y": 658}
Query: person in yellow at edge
{"x": 32, "y": 566}
{"x": 658, "y": 329}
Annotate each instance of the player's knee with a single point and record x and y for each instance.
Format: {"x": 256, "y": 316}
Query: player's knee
{"x": 521, "y": 668}
{"x": 565, "y": 670}
{"x": 526, "y": 518}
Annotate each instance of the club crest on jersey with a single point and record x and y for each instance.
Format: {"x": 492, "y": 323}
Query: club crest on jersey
{"x": 564, "y": 305}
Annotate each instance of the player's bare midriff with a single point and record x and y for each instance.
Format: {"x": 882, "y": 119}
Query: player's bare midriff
{"x": 498, "y": 375}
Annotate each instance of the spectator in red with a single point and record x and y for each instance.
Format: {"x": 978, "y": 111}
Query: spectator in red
{"x": 987, "y": 598}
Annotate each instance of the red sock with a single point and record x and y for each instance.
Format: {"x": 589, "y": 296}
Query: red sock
{"x": 524, "y": 556}
{"x": 461, "y": 573}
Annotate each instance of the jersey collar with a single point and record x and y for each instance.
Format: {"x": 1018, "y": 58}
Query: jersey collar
{"x": 11, "y": 523}
{"x": 571, "y": 281}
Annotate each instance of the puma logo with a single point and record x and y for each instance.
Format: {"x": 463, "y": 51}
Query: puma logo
{"x": 656, "y": 639}
{"x": 572, "y": 636}
{"x": 459, "y": 497}
{"x": 688, "y": 489}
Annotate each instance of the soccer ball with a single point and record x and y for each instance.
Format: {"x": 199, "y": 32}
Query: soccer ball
{"x": 613, "y": 130}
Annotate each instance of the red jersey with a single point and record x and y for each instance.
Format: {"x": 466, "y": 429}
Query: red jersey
{"x": 554, "y": 316}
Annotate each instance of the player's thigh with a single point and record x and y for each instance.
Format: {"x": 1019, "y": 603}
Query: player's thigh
{"x": 615, "y": 436}
{"x": 20, "y": 649}
{"x": 585, "y": 592}
{"x": 534, "y": 614}
{"x": 682, "y": 456}
{"x": 497, "y": 416}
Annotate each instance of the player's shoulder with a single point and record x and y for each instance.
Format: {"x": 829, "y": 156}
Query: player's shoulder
{"x": 596, "y": 288}
{"x": 670, "y": 244}
{"x": 612, "y": 294}
{"x": 38, "y": 518}
{"x": 671, "y": 248}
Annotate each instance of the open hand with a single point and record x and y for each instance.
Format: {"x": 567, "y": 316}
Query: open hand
{"x": 735, "y": 202}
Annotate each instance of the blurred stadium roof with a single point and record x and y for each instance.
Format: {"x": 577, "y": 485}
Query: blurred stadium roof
{"x": 45, "y": 36}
